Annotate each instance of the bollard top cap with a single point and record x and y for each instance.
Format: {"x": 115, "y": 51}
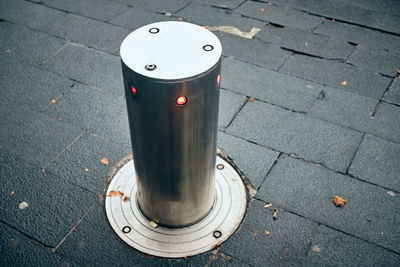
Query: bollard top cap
{"x": 170, "y": 50}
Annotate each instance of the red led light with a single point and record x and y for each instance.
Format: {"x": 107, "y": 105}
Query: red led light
{"x": 133, "y": 90}
{"x": 181, "y": 100}
{"x": 218, "y": 79}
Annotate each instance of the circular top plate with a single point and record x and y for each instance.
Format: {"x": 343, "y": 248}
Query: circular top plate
{"x": 178, "y": 50}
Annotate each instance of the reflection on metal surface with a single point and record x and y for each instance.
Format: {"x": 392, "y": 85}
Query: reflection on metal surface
{"x": 133, "y": 227}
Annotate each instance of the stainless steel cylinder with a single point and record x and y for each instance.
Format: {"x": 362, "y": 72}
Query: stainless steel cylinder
{"x": 171, "y": 74}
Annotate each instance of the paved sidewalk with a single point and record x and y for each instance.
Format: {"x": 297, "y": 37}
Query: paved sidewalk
{"x": 310, "y": 109}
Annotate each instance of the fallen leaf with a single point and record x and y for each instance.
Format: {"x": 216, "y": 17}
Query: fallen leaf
{"x": 333, "y": 20}
{"x": 316, "y": 248}
{"x": 215, "y": 246}
{"x": 268, "y": 205}
{"x": 293, "y": 155}
{"x": 339, "y": 202}
{"x": 262, "y": 9}
{"x": 53, "y": 101}
{"x": 254, "y": 234}
{"x": 59, "y": 118}
{"x": 275, "y": 214}
{"x": 115, "y": 194}
{"x": 185, "y": 257}
{"x": 126, "y": 199}
{"x": 398, "y": 71}
{"x": 168, "y": 14}
{"x": 343, "y": 83}
{"x": 23, "y": 205}
{"x": 153, "y": 224}
{"x": 235, "y": 31}
{"x": 86, "y": 170}
{"x": 341, "y": 151}
{"x": 180, "y": 18}
{"x": 391, "y": 193}
{"x": 251, "y": 99}
{"x": 302, "y": 65}
{"x": 12, "y": 193}
{"x": 222, "y": 35}
{"x": 77, "y": 17}
{"x": 266, "y": 232}
{"x": 104, "y": 161}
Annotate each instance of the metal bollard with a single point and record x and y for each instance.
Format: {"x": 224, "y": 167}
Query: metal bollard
{"x": 171, "y": 74}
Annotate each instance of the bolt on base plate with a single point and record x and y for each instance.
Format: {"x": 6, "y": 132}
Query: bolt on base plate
{"x": 137, "y": 231}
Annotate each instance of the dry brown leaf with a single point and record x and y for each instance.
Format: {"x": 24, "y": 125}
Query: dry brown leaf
{"x": 115, "y": 193}
{"x": 153, "y": 224}
{"x": 104, "y": 161}
{"x": 262, "y": 9}
{"x": 59, "y": 118}
{"x": 86, "y": 170}
{"x": 180, "y": 18}
{"x": 254, "y": 234}
{"x": 266, "y": 232}
{"x": 339, "y": 202}
{"x": 126, "y": 199}
{"x": 12, "y": 193}
{"x": 251, "y": 99}
{"x": 343, "y": 83}
{"x": 398, "y": 71}
{"x": 53, "y": 101}
{"x": 302, "y": 65}
{"x": 275, "y": 214}
{"x": 333, "y": 20}
{"x": 316, "y": 248}
{"x": 268, "y": 205}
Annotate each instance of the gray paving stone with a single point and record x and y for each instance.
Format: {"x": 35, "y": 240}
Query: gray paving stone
{"x": 344, "y": 11}
{"x": 97, "y": 9}
{"x": 98, "y": 112}
{"x": 338, "y": 249}
{"x": 393, "y": 95}
{"x": 32, "y": 136}
{"x": 291, "y": 132}
{"x": 89, "y": 66}
{"x": 306, "y": 42}
{"x": 210, "y": 16}
{"x": 379, "y": 62}
{"x": 282, "y": 15}
{"x": 271, "y": 86}
{"x": 229, "y": 104}
{"x": 26, "y": 85}
{"x": 253, "y": 51}
{"x": 94, "y": 235}
{"x": 27, "y": 45}
{"x": 388, "y": 6}
{"x": 86, "y": 153}
{"x": 288, "y": 240}
{"x": 86, "y": 31}
{"x": 334, "y": 74}
{"x": 142, "y": 17}
{"x": 372, "y": 39}
{"x": 170, "y": 6}
{"x": 308, "y": 190}
{"x": 230, "y": 4}
{"x": 54, "y": 206}
{"x": 32, "y": 15}
{"x": 355, "y": 111}
{"x": 377, "y": 161}
{"x": 18, "y": 250}
{"x": 254, "y": 160}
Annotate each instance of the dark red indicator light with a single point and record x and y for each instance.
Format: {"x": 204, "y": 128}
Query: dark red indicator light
{"x": 133, "y": 90}
{"x": 181, "y": 100}
{"x": 218, "y": 79}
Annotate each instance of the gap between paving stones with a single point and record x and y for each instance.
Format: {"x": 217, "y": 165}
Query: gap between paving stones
{"x": 293, "y": 155}
{"x": 354, "y": 155}
{"x": 383, "y": 95}
{"x": 73, "y": 228}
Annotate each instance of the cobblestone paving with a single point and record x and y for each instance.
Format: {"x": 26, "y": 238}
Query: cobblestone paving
{"x": 310, "y": 109}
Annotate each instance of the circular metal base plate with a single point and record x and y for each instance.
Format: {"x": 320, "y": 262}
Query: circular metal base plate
{"x": 136, "y": 230}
